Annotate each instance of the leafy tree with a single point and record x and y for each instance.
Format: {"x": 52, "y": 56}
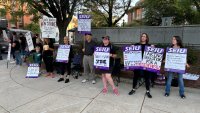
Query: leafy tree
{"x": 111, "y": 10}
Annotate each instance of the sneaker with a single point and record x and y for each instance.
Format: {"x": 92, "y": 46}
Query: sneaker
{"x": 183, "y": 96}
{"x": 61, "y": 79}
{"x": 67, "y": 80}
{"x": 166, "y": 94}
{"x": 76, "y": 77}
{"x": 83, "y": 81}
{"x": 93, "y": 82}
{"x": 105, "y": 90}
{"x": 131, "y": 92}
{"x": 12, "y": 62}
{"x": 148, "y": 95}
{"x": 116, "y": 92}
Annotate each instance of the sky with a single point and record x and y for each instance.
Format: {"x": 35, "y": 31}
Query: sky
{"x": 125, "y": 18}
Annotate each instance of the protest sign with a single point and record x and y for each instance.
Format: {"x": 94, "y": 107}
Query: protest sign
{"x": 175, "y": 60}
{"x": 63, "y": 53}
{"x": 152, "y": 59}
{"x": 132, "y": 57}
{"x": 29, "y": 41}
{"x": 84, "y": 23}
{"x": 48, "y": 27}
{"x": 33, "y": 71}
{"x": 190, "y": 76}
{"x": 102, "y": 58}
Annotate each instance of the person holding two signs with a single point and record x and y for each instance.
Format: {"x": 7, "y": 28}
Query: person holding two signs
{"x": 144, "y": 41}
{"x": 64, "y": 65}
{"x": 106, "y": 74}
{"x": 176, "y": 43}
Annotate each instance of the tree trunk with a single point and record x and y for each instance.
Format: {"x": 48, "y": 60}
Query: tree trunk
{"x": 62, "y": 34}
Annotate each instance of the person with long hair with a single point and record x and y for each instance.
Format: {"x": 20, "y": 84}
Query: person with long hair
{"x": 64, "y": 65}
{"x": 176, "y": 43}
{"x": 48, "y": 49}
{"x": 106, "y": 74}
{"x": 144, "y": 41}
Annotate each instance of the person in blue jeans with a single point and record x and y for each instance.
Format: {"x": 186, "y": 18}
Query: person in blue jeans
{"x": 17, "y": 52}
{"x": 176, "y": 43}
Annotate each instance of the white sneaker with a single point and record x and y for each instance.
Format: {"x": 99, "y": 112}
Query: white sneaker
{"x": 12, "y": 62}
{"x": 93, "y": 82}
{"x": 83, "y": 81}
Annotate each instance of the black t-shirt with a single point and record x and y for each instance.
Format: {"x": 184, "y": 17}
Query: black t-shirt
{"x": 89, "y": 47}
{"x": 17, "y": 45}
{"x": 49, "y": 53}
{"x": 112, "y": 51}
{"x": 23, "y": 42}
{"x": 143, "y": 47}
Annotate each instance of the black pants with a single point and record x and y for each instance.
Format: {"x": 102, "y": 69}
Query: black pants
{"x": 141, "y": 73}
{"x": 48, "y": 60}
{"x": 63, "y": 66}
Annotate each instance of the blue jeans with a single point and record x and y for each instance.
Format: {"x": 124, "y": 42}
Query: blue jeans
{"x": 18, "y": 58}
{"x": 180, "y": 83}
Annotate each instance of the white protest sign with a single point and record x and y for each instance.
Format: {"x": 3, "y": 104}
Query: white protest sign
{"x": 5, "y": 36}
{"x": 29, "y": 41}
{"x": 63, "y": 53}
{"x": 49, "y": 27}
{"x": 9, "y": 52}
{"x": 132, "y": 57}
{"x": 102, "y": 58}
{"x": 190, "y": 76}
{"x": 152, "y": 59}
{"x": 33, "y": 71}
{"x": 176, "y": 60}
{"x": 84, "y": 23}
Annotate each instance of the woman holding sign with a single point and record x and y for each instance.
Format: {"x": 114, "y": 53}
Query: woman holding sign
{"x": 48, "y": 56}
{"x": 106, "y": 74}
{"x": 144, "y": 41}
{"x": 64, "y": 65}
{"x": 176, "y": 43}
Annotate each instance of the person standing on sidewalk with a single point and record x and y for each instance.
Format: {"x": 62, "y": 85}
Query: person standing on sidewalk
{"x": 17, "y": 51}
{"x": 64, "y": 65}
{"x": 144, "y": 41}
{"x": 106, "y": 74}
{"x": 176, "y": 43}
{"x": 48, "y": 56}
{"x": 88, "y": 59}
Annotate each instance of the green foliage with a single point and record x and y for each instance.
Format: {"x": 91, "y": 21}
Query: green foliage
{"x": 182, "y": 11}
{"x": 35, "y": 28}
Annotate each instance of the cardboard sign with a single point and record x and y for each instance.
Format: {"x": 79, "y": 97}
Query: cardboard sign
{"x": 63, "y": 53}
{"x": 49, "y": 27}
{"x": 29, "y": 41}
{"x": 152, "y": 59}
{"x": 176, "y": 60}
{"x": 102, "y": 58}
{"x": 84, "y": 23}
{"x": 9, "y": 52}
{"x": 33, "y": 71}
{"x": 132, "y": 57}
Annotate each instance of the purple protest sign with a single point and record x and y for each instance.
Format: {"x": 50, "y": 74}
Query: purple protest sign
{"x": 63, "y": 53}
{"x": 152, "y": 59}
{"x": 175, "y": 60}
{"x": 132, "y": 57}
{"x": 102, "y": 58}
{"x": 33, "y": 71}
{"x": 84, "y": 23}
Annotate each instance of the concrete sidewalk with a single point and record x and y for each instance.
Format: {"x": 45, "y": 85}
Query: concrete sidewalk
{"x": 45, "y": 95}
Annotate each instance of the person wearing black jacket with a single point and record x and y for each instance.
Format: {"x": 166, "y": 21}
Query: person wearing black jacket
{"x": 144, "y": 41}
{"x": 63, "y": 65}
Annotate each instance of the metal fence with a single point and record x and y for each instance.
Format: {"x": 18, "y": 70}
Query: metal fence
{"x": 126, "y": 35}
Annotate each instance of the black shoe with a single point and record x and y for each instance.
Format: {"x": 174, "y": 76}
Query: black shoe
{"x": 166, "y": 94}
{"x": 76, "y": 77}
{"x": 131, "y": 92}
{"x": 61, "y": 79}
{"x": 183, "y": 96}
{"x": 67, "y": 80}
{"x": 148, "y": 95}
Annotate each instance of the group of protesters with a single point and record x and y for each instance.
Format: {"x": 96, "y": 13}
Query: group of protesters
{"x": 44, "y": 50}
